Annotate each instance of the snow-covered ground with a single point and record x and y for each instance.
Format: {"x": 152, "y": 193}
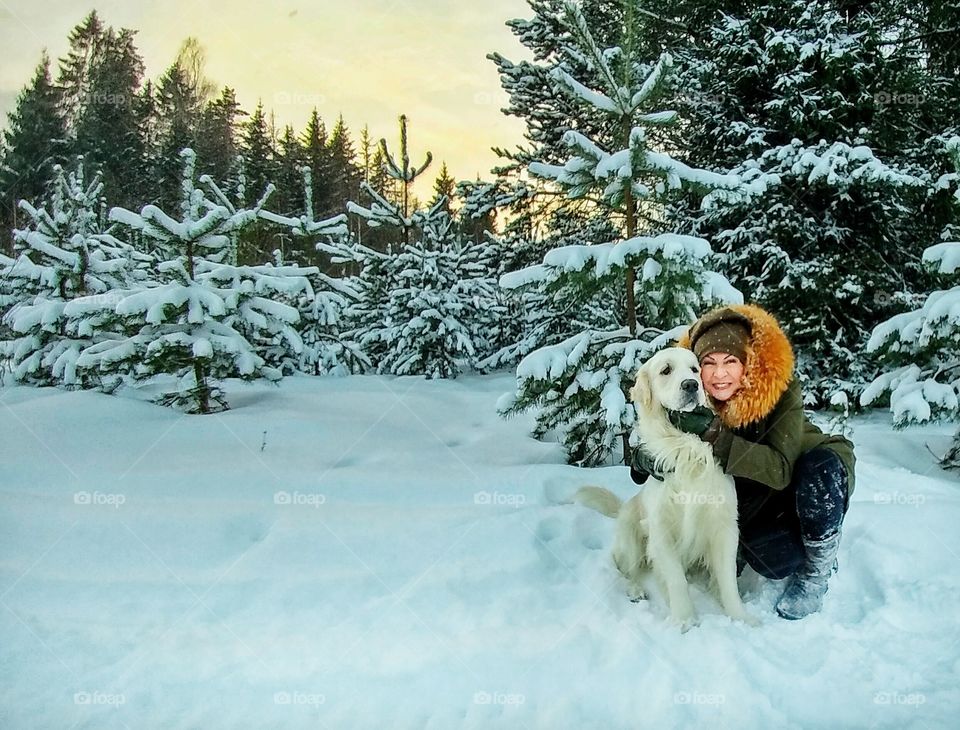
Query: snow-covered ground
{"x": 375, "y": 553}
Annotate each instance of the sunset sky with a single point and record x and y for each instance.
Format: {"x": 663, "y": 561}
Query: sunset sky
{"x": 370, "y": 60}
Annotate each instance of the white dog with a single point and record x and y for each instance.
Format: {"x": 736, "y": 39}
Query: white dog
{"x": 690, "y": 517}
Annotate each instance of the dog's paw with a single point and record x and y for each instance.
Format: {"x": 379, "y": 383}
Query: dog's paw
{"x": 636, "y": 594}
{"x": 684, "y": 622}
{"x": 746, "y": 617}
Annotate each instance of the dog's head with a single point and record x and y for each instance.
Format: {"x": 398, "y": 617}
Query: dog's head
{"x": 670, "y": 380}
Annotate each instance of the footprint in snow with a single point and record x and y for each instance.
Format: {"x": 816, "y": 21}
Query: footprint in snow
{"x": 558, "y": 491}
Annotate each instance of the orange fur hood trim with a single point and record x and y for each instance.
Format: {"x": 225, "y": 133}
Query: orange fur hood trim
{"x": 767, "y": 372}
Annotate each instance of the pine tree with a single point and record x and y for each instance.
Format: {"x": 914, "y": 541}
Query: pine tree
{"x": 326, "y": 347}
{"x": 372, "y": 285}
{"x": 343, "y": 178}
{"x": 316, "y": 156}
{"x": 100, "y": 81}
{"x": 535, "y": 218}
{"x": 920, "y": 349}
{"x": 178, "y": 112}
{"x": 376, "y": 279}
{"x": 182, "y": 95}
{"x": 87, "y": 41}
{"x": 217, "y": 145}
{"x": 799, "y": 94}
{"x": 197, "y": 319}
{"x": 428, "y": 321}
{"x": 373, "y": 168}
{"x": 444, "y": 187}
{"x": 580, "y": 384}
{"x": 259, "y": 150}
{"x": 33, "y": 143}
{"x": 64, "y": 253}
{"x": 404, "y": 173}
{"x": 260, "y": 170}
{"x": 289, "y": 181}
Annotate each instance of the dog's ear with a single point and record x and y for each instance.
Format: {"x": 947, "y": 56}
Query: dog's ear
{"x": 641, "y": 393}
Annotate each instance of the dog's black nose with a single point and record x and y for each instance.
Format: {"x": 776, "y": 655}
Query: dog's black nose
{"x": 689, "y": 385}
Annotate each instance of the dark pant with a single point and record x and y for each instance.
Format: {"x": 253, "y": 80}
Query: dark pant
{"x": 812, "y": 506}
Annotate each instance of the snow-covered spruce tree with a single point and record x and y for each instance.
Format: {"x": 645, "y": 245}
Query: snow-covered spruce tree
{"x": 33, "y": 141}
{"x": 405, "y": 174}
{"x": 325, "y": 347}
{"x": 428, "y": 326}
{"x": 796, "y": 91}
{"x": 534, "y": 216}
{"x": 8, "y": 298}
{"x": 487, "y": 255}
{"x": 364, "y": 314}
{"x": 579, "y": 386}
{"x": 530, "y": 317}
{"x": 376, "y": 270}
{"x": 193, "y": 320}
{"x": 491, "y": 318}
{"x": 921, "y": 349}
{"x": 63, "y": 253}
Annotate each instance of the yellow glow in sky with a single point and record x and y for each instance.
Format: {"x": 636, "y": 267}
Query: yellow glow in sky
{"x": 370, "y": 60}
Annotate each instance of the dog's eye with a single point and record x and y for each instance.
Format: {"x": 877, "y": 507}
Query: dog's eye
{"x": 666, "y": 370}
{"x": 694, "y": 369}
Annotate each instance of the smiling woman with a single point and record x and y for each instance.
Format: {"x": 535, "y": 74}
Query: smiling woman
{"x": 722, "y": 374}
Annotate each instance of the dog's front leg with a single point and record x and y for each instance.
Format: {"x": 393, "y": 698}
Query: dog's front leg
{"x": 667, "y": 565}
{"x": 723, "y": 567}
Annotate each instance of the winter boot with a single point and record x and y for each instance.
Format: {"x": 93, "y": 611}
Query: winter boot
{"x": 806, "y": 587}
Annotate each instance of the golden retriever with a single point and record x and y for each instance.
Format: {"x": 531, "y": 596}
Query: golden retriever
{"x": 685, "y": 520}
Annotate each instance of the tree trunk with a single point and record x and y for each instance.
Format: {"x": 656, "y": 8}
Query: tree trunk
{"x": 202, "y": 392}
{"x": 951, "y": 460}
{"x": 631, "y": 215}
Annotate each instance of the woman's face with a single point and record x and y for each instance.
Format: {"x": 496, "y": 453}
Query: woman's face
{"x": 722, "y": 374}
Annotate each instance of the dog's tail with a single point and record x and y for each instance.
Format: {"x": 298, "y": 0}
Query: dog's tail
{"x": 597, "y": 498}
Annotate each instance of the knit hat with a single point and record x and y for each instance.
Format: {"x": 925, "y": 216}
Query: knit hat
{"x": 721, "y": 330}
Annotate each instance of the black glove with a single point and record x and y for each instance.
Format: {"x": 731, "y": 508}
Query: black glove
{"x": 643, "y": 466}
{"x": 701, "y": 421}
{"x": 698, "y": 421}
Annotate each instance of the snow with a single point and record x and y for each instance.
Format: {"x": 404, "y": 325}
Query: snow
{"x": 588, "y": 96}
{"x": 677, "y": 171}
{"x": 604, "y": 257}
{"x": 551, "y": 361}
{"x": 371, "y": 552}
{"x": 946, "y": 255}
{"x": 524, "y": 277}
